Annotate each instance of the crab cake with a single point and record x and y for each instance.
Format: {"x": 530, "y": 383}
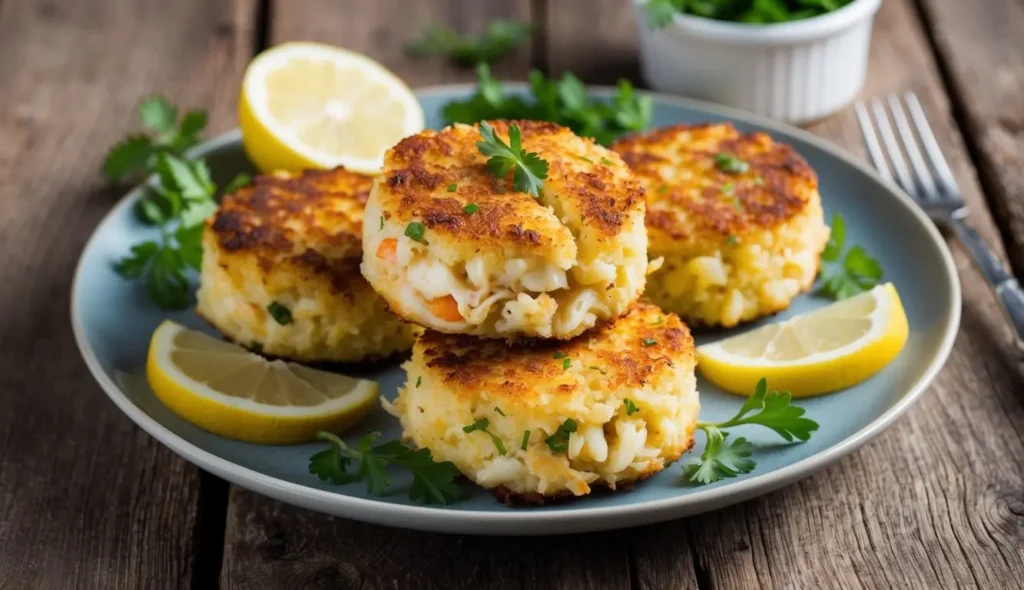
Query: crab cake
{"x": 548, "y": 419}
{"x": 736, "y": 217}
{"x": 453, "y": 248}
{"x": 280, "y": 271}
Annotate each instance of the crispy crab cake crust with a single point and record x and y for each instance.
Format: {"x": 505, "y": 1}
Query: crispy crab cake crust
{"x": 550, "y": 266}
{"x": 736, "y": 245}
{"x": 531, "y": 389}
{"x": 295, "y": 240}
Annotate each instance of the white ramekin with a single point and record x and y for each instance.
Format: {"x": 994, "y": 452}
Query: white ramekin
{"x": 796, "y": 72}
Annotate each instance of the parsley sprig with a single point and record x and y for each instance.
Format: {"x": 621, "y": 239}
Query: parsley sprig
{"x": 501, "y": 38}
{"x": 722, "y": 459}
{"x": 527, "y": 168}
{"x": 166, "y": 134}
{"x": 432, "y": 482}
{"x": 563, "y": 101}
{"x": 846, "y": 276}
{"x": 181, "y": 196}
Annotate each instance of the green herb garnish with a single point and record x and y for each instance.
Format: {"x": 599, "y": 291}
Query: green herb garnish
{"x": 381, "y": 223}
{"x": 528, "y": 169}
{"x": 452, "y": 188}
{"x": 566, "y": 364}
{"x": 471, "y": 208}
{"x": 419, "y": 381}
{"x": 773, "y": 410}
{"x": 415, "y": 231}
{"x": 846, "y": 276}
{"x": 559, "y": 441}
{"x": 501, "y": 38}
{"x": 498, "y": 410}
{"x": 663, "y": 189}
{"x": 630, "y": 407}
{"x": 606, "y": 161}
{"x": 730, "y": 164}
{"x": 559, "y": 355}
{"x": 181, "y": 196}
{"x": 731, "y": 240}
{"x": 280, "y": 313}
{"x": 649, "y": 342}
{"x": 563, "y": 101}
{"x": 166, "y": 134}
{"x": 526, "y": 440}
{"x": 661, "y": 12}
{"x": 432, "y": 482}
{"x": 481, "y": 426}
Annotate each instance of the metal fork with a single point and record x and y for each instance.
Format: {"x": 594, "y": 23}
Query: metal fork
{"x": 936, "y": 193}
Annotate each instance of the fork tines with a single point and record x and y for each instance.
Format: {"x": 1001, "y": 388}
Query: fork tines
{"x": 930, "y": 180}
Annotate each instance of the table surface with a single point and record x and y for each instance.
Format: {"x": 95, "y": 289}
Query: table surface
{"x": 88, "y": 500}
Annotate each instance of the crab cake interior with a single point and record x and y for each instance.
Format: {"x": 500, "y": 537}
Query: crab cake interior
{"x": 736, "y": 217}
{"x": 280, "y": 271}
{"x": 626, "y": 390}
{"x": 495, "y": 262}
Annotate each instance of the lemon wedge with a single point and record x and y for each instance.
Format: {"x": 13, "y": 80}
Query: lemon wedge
{"x": 819, "y": 352}
{"x": 227, "y": 390}
{"x": 307, "y": 105}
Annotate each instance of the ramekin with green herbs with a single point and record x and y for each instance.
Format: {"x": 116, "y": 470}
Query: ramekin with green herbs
{"x": 794, "y": 60}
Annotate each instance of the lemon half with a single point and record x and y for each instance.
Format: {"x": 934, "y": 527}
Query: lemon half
{"x": 819, "y": 352}
{"x": 227, "y": 390}
{"x": 307, "y": 105}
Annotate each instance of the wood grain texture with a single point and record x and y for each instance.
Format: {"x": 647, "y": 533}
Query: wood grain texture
{"x": 935, "y": 501}
{"x": 981, "y": 49}
{"x": 87, "y": 500}
{"x": 273, "y": 545}
{"x": 595, "y": 39}
{"x": 383, "y": 28}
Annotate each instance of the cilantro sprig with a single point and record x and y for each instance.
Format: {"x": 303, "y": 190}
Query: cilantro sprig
{"x": 527, "y": 168}
{"x": 166, "y": 133}
{"x": 181, "y": 196}
{"x": 722, "y": 458}
{"x": 433, "y": 482}
{"x": 846, "y": 275}
{"x": 563, "y": 101}
{"x": 501, "y": 38}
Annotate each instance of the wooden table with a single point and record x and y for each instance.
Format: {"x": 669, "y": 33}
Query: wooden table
{"x": 87, "y": 500}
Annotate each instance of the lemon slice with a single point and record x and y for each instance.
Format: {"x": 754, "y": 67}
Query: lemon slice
{"x": 227, "y": 390}
{"x": 819, "y": 352}
{"x": 306, "y": 105}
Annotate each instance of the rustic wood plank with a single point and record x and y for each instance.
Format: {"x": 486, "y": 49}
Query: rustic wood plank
{"x": 382, "y": 28}
{"x": 273, "y": 545}
{"x": 937, "y": 500}
{"x": 596, "y": 40}
{"x": 981, "y": 49}
{"x": 269, "y": 544}
{"x": 86, "y": 499}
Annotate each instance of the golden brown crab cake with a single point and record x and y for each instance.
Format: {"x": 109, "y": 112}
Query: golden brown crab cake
{"x": 736, "y": 217}
{"x": 453, "y": 248}
{"x": 280, "y": 271}
{"x": 555, "y": 418}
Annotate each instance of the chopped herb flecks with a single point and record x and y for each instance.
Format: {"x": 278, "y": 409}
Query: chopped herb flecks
{"x": 730, "y": 164}
{"x": 280, "y": 313}
{"x": 415, "y": 231}
{"x": 630, "y": 407}
{"x": 559, "y": 441}
{"x": 481, "y": 425}
{"x": 471, "y": 208}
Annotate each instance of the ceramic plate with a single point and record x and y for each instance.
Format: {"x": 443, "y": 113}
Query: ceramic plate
{"x": 113, "y": 319}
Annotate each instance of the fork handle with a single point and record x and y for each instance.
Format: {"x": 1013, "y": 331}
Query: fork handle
{"x": 1008, "y": 290}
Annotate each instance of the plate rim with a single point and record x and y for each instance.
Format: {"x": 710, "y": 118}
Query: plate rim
{"x": 528, "y": 522}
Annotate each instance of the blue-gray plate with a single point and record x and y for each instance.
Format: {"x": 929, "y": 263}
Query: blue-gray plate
{"x": 113, "y": 319}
